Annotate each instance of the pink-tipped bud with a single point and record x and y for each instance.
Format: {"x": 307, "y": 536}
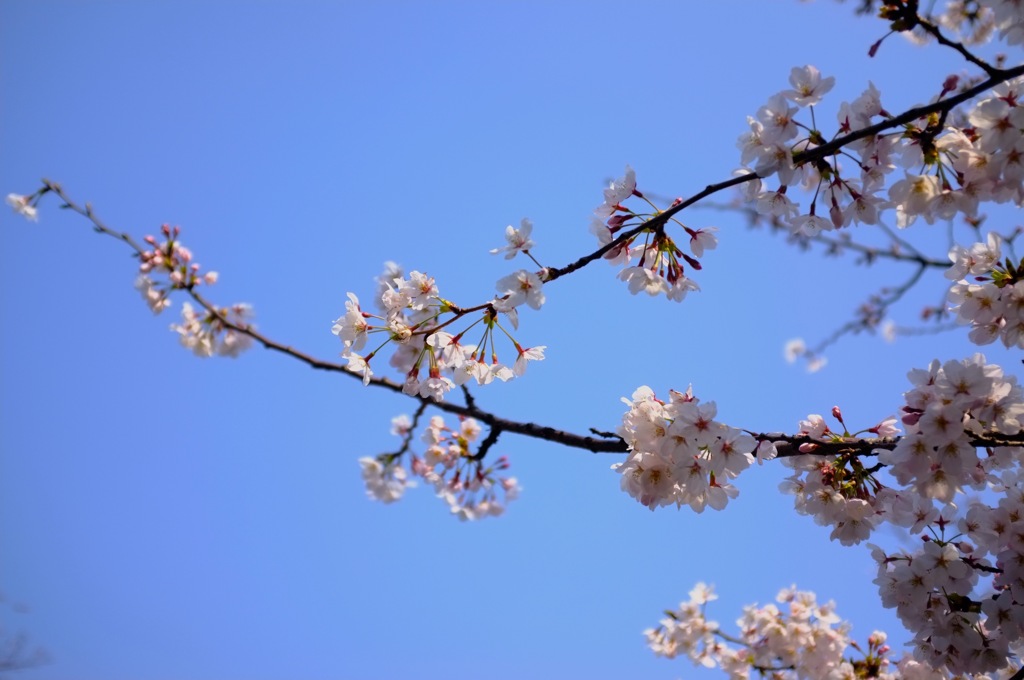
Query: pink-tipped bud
{"x": 950, "y": 83}
{"x": 910, "y": 419}
{"x": 837, "y": 414}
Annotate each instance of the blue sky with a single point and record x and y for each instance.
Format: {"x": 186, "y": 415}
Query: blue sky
{"x": 163, "y": 516}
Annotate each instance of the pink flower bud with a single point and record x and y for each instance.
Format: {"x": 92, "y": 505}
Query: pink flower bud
{"x": 910, "y": 419}
{"x": 835, "y": 213}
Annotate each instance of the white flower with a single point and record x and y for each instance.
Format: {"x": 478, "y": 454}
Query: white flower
{"x": 528, "y": 354}
{"x": 520, "y": 287}
{"x": 808, "y": 85}
{"x": 703, "y": 239}
{"x": 518, "y": 240}
{"x": 383, "y": 483}
{"x": 357, "y": 364}
{"x": 155, "y": 298}
{"x": 20, "y": 204}
{"x": 618, "y": 191}
{"x": 794, "y": 349}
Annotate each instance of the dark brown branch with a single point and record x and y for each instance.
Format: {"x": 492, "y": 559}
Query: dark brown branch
{"x": 487, "y": 443}
{"x": 657, "y": 222}
{"x": 608, "y": 443}
{"x": 799, "y": 158}
{"x": 470, "y": 410}
{"x": 933, "y": 30}
{"x": 789, "y": 445}
{"x": 407, "y": 437}
{"x": 943, "y": 105}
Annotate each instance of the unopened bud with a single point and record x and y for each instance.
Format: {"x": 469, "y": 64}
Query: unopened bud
{"x": 835, "y": 213}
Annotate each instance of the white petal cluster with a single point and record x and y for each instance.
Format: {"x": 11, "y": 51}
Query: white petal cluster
{"x": 385, "y": 481}
{"x": 979, "y": 158}
{"x": 985, "y": 296}
{"x": 519, "y": 240}
{"x": 206, "y": 335}
{"x": 23, "y": 206}
{"x": 413, "y": 322}
{"x": 823, "y": 491}
{"x": 679, "y": 454}
{"x": 797, "y": 638}
{"x": 949, "y": 403}
{"x": 471, "y": 489}
{"x": 659, "y": 268}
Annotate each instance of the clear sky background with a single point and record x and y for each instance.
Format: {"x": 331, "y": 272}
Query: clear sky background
{"x": 163, "y": 516}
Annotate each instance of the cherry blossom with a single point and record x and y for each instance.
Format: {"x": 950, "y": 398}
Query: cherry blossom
{"x": 518, "y": 240}
{"x": 206, "y": 334}
{"x": 808, "y": 86}
{"x": 521, "y": 287}
{"x": 23, "y": 206}
{"x": 618, "y": 191}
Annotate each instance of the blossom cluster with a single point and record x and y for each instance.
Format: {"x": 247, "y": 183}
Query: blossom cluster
{"x": 472, "y": 489}
{"x": 206, "y": 334}
{"x": 679, "y": 453}
{"x": 975, "y": 21}
{"x": 950, "y": 404}
{"x": 413, "y": 317}
{"x": 945, "y": 169}
{"x": 961, "y": 592}
{"x": 658, "y": 269}
{"x": 992, "y": 301}
{"x": 173, "y": 260}
{"x": 801, "y": 638}
{"x": 836, "y": 490}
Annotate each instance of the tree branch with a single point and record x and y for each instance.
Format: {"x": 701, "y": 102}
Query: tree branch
{"x": 607, "y": 442}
